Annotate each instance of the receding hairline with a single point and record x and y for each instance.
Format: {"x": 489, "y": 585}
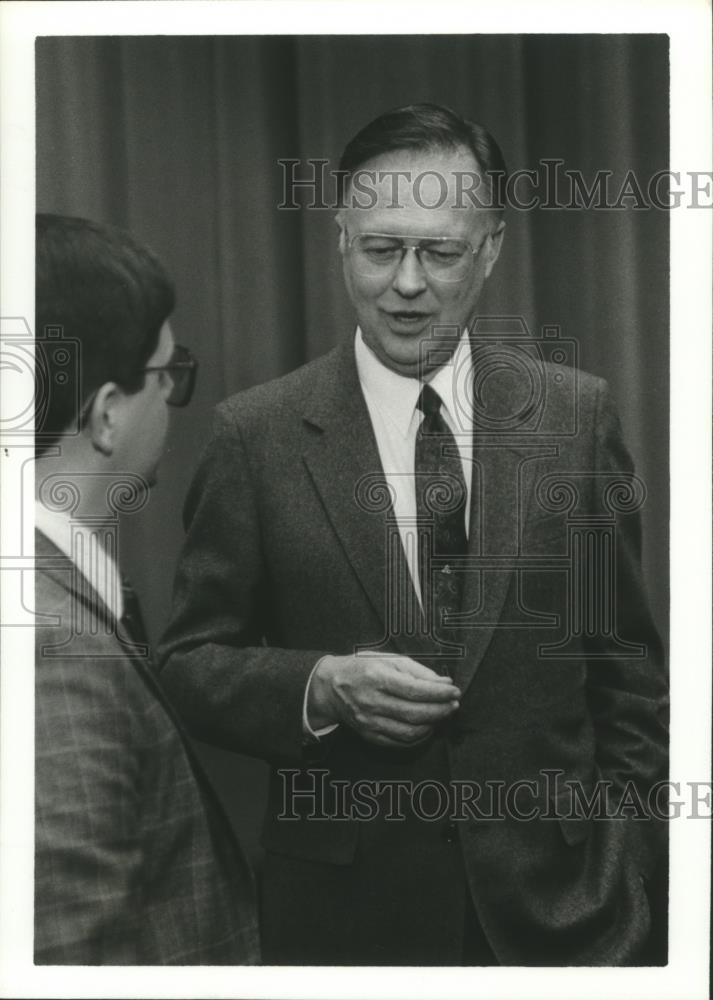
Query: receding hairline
{"x": 430, "y": 149}
{"x": 444, "y": 150}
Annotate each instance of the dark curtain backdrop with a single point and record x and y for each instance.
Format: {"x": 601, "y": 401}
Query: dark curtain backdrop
{"x": 178, "y": 140}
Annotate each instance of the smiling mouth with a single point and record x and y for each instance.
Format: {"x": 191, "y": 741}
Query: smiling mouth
{"x": 407, "y": 317}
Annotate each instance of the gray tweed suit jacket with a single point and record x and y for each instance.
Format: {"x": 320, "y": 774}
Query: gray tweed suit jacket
{"x": 289, "y": 555}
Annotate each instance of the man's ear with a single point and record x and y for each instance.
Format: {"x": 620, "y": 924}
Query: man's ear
{"x": 493, "y": 246}
{"x": 103, "y": 423}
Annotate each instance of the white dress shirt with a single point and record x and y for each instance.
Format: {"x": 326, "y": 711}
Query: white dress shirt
{"x": 391, "y": 401}
{"x": 82, "y": 544}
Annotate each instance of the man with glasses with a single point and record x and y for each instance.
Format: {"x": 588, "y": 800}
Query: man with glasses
{"x": 135, "y": 862}
{"x": 349, "y": 607}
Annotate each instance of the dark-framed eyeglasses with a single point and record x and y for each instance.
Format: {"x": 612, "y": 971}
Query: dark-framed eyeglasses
{"x": 182, "y": 369}
{"x": 443, "y": 258}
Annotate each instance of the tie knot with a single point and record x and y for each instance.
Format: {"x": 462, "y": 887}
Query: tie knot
{"x": 429, "y": 402}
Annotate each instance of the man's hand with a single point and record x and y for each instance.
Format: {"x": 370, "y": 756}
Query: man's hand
{"x": 389, "y": 700}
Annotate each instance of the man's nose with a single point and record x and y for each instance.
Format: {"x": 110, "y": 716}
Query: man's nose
{"x": 410, "y": 277}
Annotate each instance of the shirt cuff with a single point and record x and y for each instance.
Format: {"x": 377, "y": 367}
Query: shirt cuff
{"x": 314, "y": 734}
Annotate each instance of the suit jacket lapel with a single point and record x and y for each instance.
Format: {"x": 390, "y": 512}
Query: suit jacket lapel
{"x": 499, "y": 504}
{"x": 59, "y": 568}
{"x": 343, "y": 460}
{"x": 342, "y": 457}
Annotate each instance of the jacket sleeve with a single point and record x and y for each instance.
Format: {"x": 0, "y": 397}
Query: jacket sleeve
{"x": 88, "y": 855}
{"x": 628, "y": 695}
{"x": 230, "y": 687}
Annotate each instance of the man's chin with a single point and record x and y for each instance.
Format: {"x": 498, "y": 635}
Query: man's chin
{"x": 416, "y": 356}
{"x": 403, "y": 363}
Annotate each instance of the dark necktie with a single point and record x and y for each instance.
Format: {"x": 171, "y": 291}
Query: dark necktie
{"x": 132, "y": 627}
{"x": 441, "y": 501}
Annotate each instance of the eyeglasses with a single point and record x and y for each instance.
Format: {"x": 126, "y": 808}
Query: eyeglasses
{"x": 182, "y": 369}
{"x": 443, "y": 258}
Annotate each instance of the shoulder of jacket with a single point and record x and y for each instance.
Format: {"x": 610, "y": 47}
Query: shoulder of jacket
{"x": 71, "y": 639}
{"x": 563, "y": 378}
{"x": 572, "y": 390}
{"x": 280, "y": 396}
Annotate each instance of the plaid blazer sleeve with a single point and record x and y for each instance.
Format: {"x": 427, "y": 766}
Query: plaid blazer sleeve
{"x": 88, "y": 855}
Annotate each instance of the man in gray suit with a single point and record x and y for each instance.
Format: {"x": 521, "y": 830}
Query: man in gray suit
{"x": 411, "y": 582}
{"x": 135, "y": 862}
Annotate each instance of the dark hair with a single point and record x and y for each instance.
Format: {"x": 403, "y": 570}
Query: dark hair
{"x": 106, "y": 298}
{"x": 426, "y": 127}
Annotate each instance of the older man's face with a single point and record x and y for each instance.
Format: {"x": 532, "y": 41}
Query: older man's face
{"x": 398, "y": 306}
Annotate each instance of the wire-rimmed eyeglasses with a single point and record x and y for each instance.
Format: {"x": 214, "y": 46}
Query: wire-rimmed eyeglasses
{"x": 443, "y": 258}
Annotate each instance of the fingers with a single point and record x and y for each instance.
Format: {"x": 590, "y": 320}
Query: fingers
{"x": 391, "y": 700}
{"x": 418, "y": 679}
{"x": 398, "y": 733}
{"x": 405, "y": 665}
{"x": 412, "y": 712}
{"x": 384, "y": 741}
{"x": 410, "y": 688}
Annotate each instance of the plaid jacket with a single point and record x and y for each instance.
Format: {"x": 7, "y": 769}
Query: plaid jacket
{"x": 135, "y": 862}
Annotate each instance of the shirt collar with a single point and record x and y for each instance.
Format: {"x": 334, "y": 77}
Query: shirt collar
{"x": 453, "y": 382}
{"x": 55, "y": 525}
{"x": 396, "y": 395}
{"x": 58, "y": 527}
